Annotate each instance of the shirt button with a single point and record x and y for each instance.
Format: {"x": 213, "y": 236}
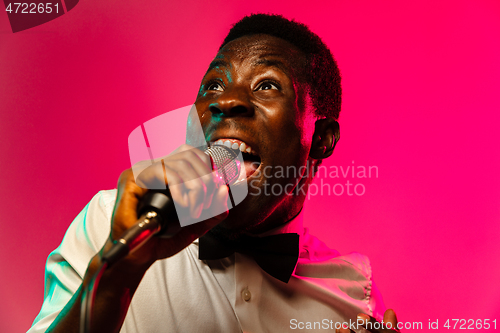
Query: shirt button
{"x": 246, "y": 295}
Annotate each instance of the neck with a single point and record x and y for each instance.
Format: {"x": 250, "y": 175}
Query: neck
{"x": 270, "y": 223}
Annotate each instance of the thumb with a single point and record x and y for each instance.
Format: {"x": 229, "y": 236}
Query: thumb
{"x": 390, "y": 317}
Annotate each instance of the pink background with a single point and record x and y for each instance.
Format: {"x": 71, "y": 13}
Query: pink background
{"x": 421, "y": 84}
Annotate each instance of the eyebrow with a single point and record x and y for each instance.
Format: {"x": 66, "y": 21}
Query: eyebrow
{"x": 218, "y": 63}
{"x": 272, "y": 63}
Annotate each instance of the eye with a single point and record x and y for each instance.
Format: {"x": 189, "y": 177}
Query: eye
{"x": 214, "y": 85}
{"x": 268, "y": 85}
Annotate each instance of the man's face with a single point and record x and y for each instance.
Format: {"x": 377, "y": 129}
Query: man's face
{"x": 253, "y": 98}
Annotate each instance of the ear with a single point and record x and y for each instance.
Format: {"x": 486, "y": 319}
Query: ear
{"x": 325, "y": 137}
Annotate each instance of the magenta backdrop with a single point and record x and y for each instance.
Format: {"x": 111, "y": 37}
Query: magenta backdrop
{"x": 421, "y": 102}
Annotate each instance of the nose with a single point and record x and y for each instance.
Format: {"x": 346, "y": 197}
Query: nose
{"x": 232, "y": 103}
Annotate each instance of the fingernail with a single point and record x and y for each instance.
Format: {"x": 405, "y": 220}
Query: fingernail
{"x": 363, "y": 318}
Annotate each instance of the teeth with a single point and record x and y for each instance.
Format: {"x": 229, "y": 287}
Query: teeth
{"x": 235, "y": 145}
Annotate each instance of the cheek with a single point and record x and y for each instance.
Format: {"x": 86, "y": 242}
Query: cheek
{"x": 204, "y": 117}
{"x": 304, "y": 125}
{"x": 306, "y": 118}
{"x": 291, "y": 146}
{"x": 308, "y": 127}
{"x": 293, "y": 130}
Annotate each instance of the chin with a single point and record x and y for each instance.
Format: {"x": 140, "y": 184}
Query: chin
{"x": 252, "y": 213}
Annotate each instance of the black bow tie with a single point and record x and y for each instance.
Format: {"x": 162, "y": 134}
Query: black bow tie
{"x": 276, "y": 254}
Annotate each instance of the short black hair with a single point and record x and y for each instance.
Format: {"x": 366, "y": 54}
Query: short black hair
{"x": 322, "y": 75}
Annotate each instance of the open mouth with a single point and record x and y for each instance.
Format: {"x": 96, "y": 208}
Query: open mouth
{"x": 250, "y": 157}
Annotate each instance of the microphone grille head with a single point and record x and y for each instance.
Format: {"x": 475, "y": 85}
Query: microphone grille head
{"x": 225, "y": 163}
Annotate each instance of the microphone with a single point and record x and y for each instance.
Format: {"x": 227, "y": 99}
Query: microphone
{"x": 157, "y": 210}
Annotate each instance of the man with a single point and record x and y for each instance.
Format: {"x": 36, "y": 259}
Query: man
{"x": 273, "y": 92}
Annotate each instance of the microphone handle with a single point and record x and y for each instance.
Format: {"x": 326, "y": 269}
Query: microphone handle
{"x": 162, "y": 204}
{"x": 145, "y": 228}
{"x": 158, "y": 215}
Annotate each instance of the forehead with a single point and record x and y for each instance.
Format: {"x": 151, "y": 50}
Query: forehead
{"x": 260, "y": 49}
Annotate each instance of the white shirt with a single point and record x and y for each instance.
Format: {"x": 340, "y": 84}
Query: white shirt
{"x": 185, "y": 294}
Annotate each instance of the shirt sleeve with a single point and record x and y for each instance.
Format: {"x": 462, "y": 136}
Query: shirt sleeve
{"x": 376, "y": 303}
{"x": 374, "y": 297}
{"x": 67, "y": 264}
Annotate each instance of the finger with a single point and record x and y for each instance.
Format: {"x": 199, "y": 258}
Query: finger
{"x": 195, "y": 172}
{"x": 202, "y": 156}
{"x": 209, "y": 181}
{"x": 140, "y": 166}
{"x": 219, "y": 210}
{"x": 196, "y": 190}
{"x": 147, "y": 175}
{"x": 181, "y": 148}
{"x": 390, "y": 319}
{"x": 344, "y": 330}
{"x": 176, "y": 187}
{"x": 124, "y": 214}
{"x": 194, "y": 154}
{"x": 200, "y": 163}
{"x": 183, "y": 167}
{"x": 187, "y": 181}
{"x": 125, "y": 211}
{"x": 196, "y": 194}
{"x": 152, "y": 177}
{"x": 372, "y": 325}
{"x": 176, "y": 173}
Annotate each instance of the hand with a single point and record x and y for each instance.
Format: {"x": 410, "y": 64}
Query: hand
{"x": 199, "y": 195}
{"x": 388, "y": 325}
{"x": 189, "y": 175}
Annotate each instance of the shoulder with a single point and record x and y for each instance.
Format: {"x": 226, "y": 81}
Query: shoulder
{"x": 88, "y": 232}
{"x": 67, "y": 264}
